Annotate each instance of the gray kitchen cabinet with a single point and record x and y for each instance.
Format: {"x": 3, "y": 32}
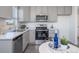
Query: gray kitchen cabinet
{"x": 25, "y": 39}
{"x": 60, "y": 10}
{"x": 38, "y": 10}
{"x": 64, "y": 10}
{"x": 5, "y": 11}
{"x": 78, "y": 18}
{"x": 68, "y": 10}
{"x": 41, "y": 10}
{"x": 24, "y": 13}
{"x": 6, "y": 46}
{"x": 32, "y": 36}
{"x": 11, "y": 45}
{"x": 33, "y": 14}
{"x": 44, "y": 10}
{"x": 20, "y": 13}
{"x": 52, "y": 14}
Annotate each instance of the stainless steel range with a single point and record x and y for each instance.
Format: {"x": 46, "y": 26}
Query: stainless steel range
{"x": 42, "y": 34}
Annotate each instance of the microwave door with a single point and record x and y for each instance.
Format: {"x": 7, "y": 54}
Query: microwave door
{"x": 41, "y": 18}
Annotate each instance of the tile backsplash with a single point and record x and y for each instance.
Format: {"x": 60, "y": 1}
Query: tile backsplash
{"x": 34, "y": 25}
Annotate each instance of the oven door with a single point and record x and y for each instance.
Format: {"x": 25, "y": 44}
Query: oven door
{"x": 41, "y": 35}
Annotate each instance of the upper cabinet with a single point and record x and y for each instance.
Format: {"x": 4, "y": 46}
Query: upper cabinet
{"x": 38, "y": 10}
{"x": 44, "y": 10}
{"x": 33, "y": 13}
{"x": 5, "y": 12}
{"x": 60, "y": 10}
{"x": 68, "y": 10}
{"x": 23, "y": 13}
{"x": 52, "y": 14}
{"x": 64, "y": 10}
{"x": 26, "y": 13}
{"x": 51, "y": 11}
{"x": 41, "y": 10}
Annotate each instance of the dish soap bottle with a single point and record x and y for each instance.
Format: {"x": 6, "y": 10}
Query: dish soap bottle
{"x": 56, "y": 40}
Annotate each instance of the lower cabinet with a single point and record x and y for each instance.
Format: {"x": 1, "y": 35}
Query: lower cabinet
{"x": 17, "y": 44}
{"x": 25, "y": 39}
{"x": 32, "y": 36}
{"x": 6, "y": 46}
{"x": 11, "y": 45}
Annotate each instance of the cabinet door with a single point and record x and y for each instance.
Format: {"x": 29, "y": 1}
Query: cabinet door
{"x": 33, "y": 14}
{"x": 26, "y": 13}
{"x": 41, "y": 10}
{"x": 27, "y": 36}
{"x": 20, "y": 13}
{"x": 60, "y": 10}
{"x": 25, "y": 40}
{"x": 38, "y": 10}
{"x": 64, "y": 10}
{"x": 52, "y": 14}
{"x": 32, "y": 36}
{"x": 78, "y": 18}
{"x": 68, "y": 10}
{"x": 5, "y": 11}
{"x": 44, "y": 10}
{"x": 6, "y": 46}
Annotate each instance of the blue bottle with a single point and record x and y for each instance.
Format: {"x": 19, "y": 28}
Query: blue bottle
{"x": 55, "y": 41}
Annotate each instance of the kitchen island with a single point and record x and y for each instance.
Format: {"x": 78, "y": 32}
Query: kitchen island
{"x": 11, "y": 42}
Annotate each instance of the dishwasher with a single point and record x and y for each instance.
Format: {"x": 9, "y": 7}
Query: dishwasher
{"x": 17, "y": 44}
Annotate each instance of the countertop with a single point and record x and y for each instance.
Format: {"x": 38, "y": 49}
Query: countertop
{"x": 11, "y": 35}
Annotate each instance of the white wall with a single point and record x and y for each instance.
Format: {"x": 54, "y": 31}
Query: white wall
{"x": 63, "y": 26}
{"x": 73, "y": 25}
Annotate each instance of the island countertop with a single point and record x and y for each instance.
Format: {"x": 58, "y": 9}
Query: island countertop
{"x": 11, "y": 35}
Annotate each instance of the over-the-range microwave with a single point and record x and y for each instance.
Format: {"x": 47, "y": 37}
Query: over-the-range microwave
{"x": 41, "y": 18}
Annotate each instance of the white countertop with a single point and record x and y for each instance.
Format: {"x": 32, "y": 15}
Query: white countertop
{"x": 11, "y": 35}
